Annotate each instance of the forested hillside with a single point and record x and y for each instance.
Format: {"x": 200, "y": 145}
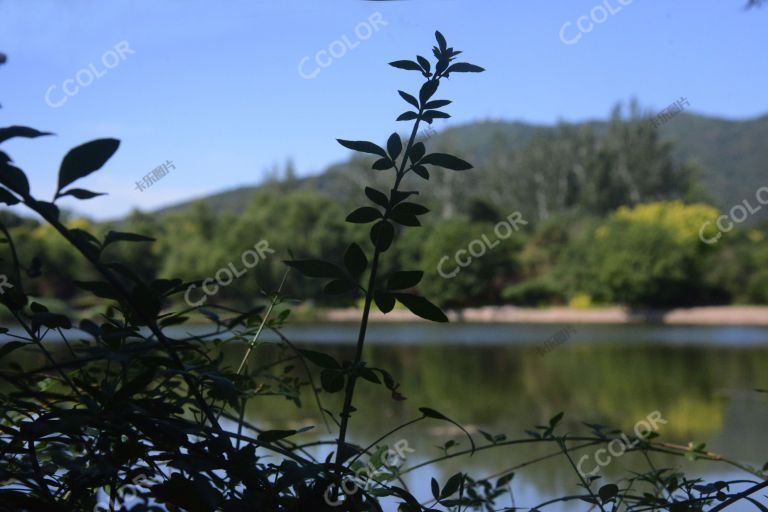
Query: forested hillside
{"x": 612, "y": 212}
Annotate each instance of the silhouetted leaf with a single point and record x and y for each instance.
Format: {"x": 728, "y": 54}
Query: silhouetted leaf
{"x": 363, "y": 215}
{"x": 427, "y": 90}
{"x": 403, "y": 218}
{"x": 403, "y": 279}
{"x": 7, "y": 198}
{"x": 384, "y": 301}
{"x": 317, "y": 268}
{"x": 411, "y": 209}
{"x": 452, "y": 485}
{"x": 421, "y": 171}
{"x": 431, "y": 413}
{"x": 321, "y": 359}
{"x": 20, "y": 131}
{"x": 424, "y": 63}
{"x": 9, "y": 347}
{"x": 421, "y": 307}
{"x": 608, "y": 491}
{"x": 464, "y": 67}
{"x": 441, "y": 41}
{"x": 406, "y": 64}
{"x": 399, "y": 195}
{"x": 437, "y": 104}
{"x": 382, "y": 234}
{"x": 394, "y": 146}
{"x": 435, "y": 489}
{"x": 382, "y": 164}
{"x": 46, "y": 209}
{"x": 447, "y": 161}
{"x": 118, "y": 236}
{"x": 363, "y": 146}
{"x": 407, "y": 116}
{"x": 81, "y": 193}
{"x": 377, "y": 197}
{"x": 332, "y": 380}
{"x": 14, "y": 178}
{"x": 431, "y": 115}
{"x": 417, "y": 152}
{"x": 410, "y": 99}
{"x": 85, "y": 159}
{"x": 355, "y": 260}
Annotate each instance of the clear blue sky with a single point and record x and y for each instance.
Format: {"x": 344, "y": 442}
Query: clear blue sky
{"x": 215, "y": 87}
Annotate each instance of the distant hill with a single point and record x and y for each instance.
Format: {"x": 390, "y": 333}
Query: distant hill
{"x": 732, "y": 155}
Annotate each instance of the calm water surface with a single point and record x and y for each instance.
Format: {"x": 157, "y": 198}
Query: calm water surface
{"x": 494, "y": 377}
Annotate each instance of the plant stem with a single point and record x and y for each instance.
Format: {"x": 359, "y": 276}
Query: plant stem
{"x": 346, "y": 410}
{"x": 275, "y": 300}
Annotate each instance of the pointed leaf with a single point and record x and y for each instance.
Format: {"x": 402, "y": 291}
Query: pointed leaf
{"x": 424, "y": 63}
{"x": 403, "y": 279}
{"x": 427, "y": 90}
{"x": 464, "y": 67}
{"x": 355, "y": 260}
{"x": 384, "y": 301}
{"x": 382, "y": 234}
{"x": 382, "y": 164}
{"x": 80, "y": 193}
{"x": 363, "y": 146}
{"x": 421, "y": 307}
{"x": 377, "y": 197}
{"x": 405, "y": 64}
{"x": 441, "y": 40}
{"x": 85, "y": 159}
{"x": 410, "y": 99}
{"x": 117, "y": 236}
{"x": 447, "y": 161}
{"x": 407, "y": 116}
{"x": 394, "y": 146}
{"x": 417, "y": 152}
{"x": 14, "y": 178}
{"x": 363, "y": 215}
{"x": 437, "y": 104}
{"x": 7, "y": 198}
{"x": 20, "y": 131}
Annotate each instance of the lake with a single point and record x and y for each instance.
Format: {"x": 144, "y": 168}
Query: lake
{"x": 496, "y": 378}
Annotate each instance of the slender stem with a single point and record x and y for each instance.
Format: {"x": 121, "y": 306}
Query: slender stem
{"x": 275, "y": 300}
{"x": 586, "y": 485}
{"x": 346, "y": 410}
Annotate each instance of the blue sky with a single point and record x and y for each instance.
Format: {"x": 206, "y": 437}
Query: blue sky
{"x": 215, "y": 86}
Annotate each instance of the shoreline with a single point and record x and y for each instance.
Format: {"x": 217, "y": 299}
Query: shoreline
{"x": 705, "y": 315}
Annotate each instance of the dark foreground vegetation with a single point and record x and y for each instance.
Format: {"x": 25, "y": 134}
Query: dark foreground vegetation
{"x": 131, "y": 407}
